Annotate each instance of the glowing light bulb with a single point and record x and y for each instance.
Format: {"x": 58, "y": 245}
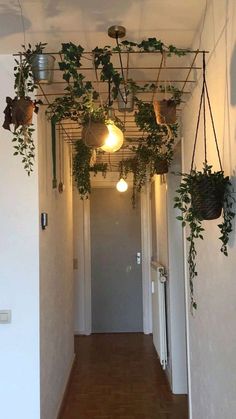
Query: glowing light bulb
{"x": 122, "y": 185}
{"x": 114, "y": 139}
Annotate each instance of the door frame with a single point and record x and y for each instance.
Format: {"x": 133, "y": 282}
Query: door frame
{"x": 83, "y": 254}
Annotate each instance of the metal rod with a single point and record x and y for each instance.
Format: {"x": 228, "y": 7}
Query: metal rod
{"x": 191, "y": 68}
{"x": 68, "y": 94}
{"x": 138, "y": 68}
{"x": 122, "y": 52}
{"x": 137, "y": 81}
{"x": 48, "y": 103}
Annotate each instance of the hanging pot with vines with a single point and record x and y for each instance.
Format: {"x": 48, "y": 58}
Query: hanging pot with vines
{"x": 19, "y": 113}
{"x": 204, "y": 195}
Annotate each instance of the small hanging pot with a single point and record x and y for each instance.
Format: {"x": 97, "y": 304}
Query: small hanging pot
{"x": 207, "y": 199}
{"x": 94, "y": 134}
{"x": 165, "y": 111}
{"x": 42, "y": 68}
{"x": 125, "y": 99}
{"x": 22, "y": 111}
{"x": 160, "y": 166}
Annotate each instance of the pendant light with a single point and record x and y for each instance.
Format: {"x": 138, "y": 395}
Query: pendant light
{"x": 122, "y": 185}
{"x": 115, "y": 138}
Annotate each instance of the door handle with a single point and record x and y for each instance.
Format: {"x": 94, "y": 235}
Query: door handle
{"x": 138, "y": 258}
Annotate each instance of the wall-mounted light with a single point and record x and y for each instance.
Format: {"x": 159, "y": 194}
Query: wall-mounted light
{"x": 122, "y": 185}
{"x": 115, "y": 138}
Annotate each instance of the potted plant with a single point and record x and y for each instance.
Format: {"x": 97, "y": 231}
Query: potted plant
{"x": 42, "y": 65}
{"x": 19, "y": 113}
{"x": 159, "y": 138}
{"x": 93, "y": 120}
{"x": 165, "y": 109}
{"x": 203, "y": 195}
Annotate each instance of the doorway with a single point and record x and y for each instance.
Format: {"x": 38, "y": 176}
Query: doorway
{"x": 116, "y": 271}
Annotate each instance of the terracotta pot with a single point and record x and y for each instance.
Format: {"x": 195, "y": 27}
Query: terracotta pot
{"x": 207, "y": 199}
{"x": 42, "y": 68}
{"x": 94, "y": 134}
{"x": 22, "y": 111}
{"x": 165, "y": 111}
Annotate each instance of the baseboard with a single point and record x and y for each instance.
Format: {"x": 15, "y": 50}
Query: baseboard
{"x": 62, "y": 404}
{"x": 82, "y": 332}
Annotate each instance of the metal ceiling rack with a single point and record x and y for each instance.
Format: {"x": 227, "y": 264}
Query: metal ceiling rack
{"x": 182, "y": 76}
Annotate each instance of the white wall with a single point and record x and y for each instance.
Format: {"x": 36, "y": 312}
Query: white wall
{"x": 19, "y": 275}
{"x": 212, "y": 329}
{"x": 56, "y": 276}
{"x": 170, "y": 255}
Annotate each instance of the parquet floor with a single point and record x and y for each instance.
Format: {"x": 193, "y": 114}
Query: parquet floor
{"x": 118, "y": 376}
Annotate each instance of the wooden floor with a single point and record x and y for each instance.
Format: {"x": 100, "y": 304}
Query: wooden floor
{"x": 118, "y": 376}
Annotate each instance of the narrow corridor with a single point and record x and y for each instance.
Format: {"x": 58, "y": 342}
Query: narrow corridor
{"x": 118, "y": 376}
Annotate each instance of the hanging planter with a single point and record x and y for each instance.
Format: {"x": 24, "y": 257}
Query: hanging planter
{"x": 41, "y": 65}
{"x": 207, "y": 195}
{"x": 94, "y": 134}
{"x": 19, "y": 111}
{"x": 204, "y": 195}
{"x": 42, "y": 68}
{"x": 22, "y": 111}
{"x": 125, "y": 99}
{"x": 160, "y": 166}
{"x": 165, "y": 111}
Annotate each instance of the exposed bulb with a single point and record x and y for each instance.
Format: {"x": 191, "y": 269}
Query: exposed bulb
{"x": 122, "y": 185}
{"x": 114, "y": 139}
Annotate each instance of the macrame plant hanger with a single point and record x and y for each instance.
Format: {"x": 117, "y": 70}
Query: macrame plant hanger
{"x": 205, "y": 98}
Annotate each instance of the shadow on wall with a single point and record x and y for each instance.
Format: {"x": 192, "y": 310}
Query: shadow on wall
{"x": 102, "y": 12}
{"x": 10, "y": 20}
{"x": 233, "y": 78}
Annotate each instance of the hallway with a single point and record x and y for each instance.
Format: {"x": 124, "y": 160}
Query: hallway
{"x": 118, "y": 376}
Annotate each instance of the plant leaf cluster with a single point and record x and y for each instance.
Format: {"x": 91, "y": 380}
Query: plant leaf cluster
{"x": 24, "y": 146}
{"x": 82, "y": 168}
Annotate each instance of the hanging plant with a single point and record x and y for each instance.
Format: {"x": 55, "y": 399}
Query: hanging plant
{"x": 159, "y": 140}
{"x": 19, "y": 113}
{"x": 72, "y": 55}
{"x": 166, "y": 109}
{"x": 138, "y": 167}
{"x": 203, "y": 195}
{"x": 82, "y": 168}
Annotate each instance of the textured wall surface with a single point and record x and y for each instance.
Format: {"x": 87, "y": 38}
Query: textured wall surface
{"x": 19, "y": 274}
{"x": 212, "y": 329}
{"x": 56, "y": 276}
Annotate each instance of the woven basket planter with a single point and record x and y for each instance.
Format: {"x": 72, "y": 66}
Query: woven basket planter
{"x": 42, "y": 68}
{"x": 160, "y": 166}
{"x": 22, "y": 111}
{"x": 207, "y": 199}
{"x": 165, "y": 111}
{"x": 94, "y": 134}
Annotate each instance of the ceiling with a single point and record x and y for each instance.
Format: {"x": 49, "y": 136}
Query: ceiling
{"x": 85, "y": 22}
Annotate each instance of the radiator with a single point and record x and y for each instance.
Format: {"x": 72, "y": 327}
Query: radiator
{"x": 159, "y": 320}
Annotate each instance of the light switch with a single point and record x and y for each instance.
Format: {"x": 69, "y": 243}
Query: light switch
{"x": 5, "y": 316}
